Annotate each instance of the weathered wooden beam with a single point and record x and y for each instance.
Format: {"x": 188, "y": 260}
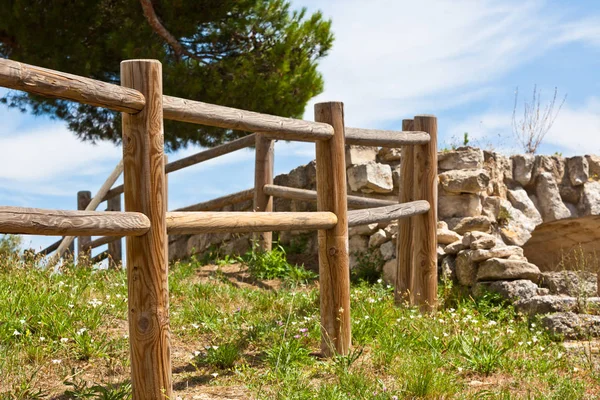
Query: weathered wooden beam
{"x": 101, "y": 241}
{"x": 49, "y": 83}
{"x": 424, "y": 227}
{"x": 263, "y": 175}
{"x": 387, "y": 213}
{"x": 185, "y": 223}
{"x": 50, "y": 248}
{"x": 231, "y": 118}
{"x": 220, "y": 202}
{"x": 374, "y": 137}
{"x": 98, "y": 258}
{"x": 84, "y": 198}
{"x": 211, "y": 153}
{"x": 115, "y": 248}
{"x": 334, "y": 263}
{"x": 36, "y": 221}
{"x": 291, "y": 193}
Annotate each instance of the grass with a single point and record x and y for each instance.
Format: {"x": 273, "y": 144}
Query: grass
{"x": 65, "y": 336}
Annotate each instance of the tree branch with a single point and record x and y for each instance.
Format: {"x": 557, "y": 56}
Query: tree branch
{"x": 161, "y": 31}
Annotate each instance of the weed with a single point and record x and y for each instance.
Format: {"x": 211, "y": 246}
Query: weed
{"x": 223, "y": 356}
{"x": 369, "y": 265}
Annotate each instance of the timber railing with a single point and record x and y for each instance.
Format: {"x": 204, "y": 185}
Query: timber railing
{"x": 146, "y": 223}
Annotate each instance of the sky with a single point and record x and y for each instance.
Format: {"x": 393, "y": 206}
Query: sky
{"x": 461, "y": 60}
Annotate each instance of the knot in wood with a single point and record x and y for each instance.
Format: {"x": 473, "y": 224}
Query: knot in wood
{"x": 333, "y": 251}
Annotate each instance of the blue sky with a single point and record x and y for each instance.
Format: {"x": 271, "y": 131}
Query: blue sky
{"x": 460, "y": 60}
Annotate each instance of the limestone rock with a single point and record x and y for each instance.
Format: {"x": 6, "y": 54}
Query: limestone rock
{"x": 491, "y": 207}
{"x": 594, "y": 166}
{"x": 479, "y": 223}
{"x": 360, "y": 155}
{"x": 390, "y": 154}
{"x": 391, "y": 229}
{"x": 378, "y": 238}
{"x": 388, "y": 251}
{"x": 521, "y": 201}
{"x": 522, "y": 168}
{"x": 466, "y": 268}
{"x": 546, "y": 304}
{"x": 474, "y": 236}
{"x": 440, "y": 252}
{"x": 500, "y": 269}
{"x": 572, "y": 283}
{"x": 465, "y": 181}
{"x": 548, "y": 195}
{"x": 461, "y": 205}
{"x": 515, "y": 228}
{"x": 483, "y": 243}
{"x": 454, "y": 248}
{"x": 370, "y": 177}
{"x": 461, "y": 158}
{"x": 499, "y": 168}
{"x": 496, "y": 252}
{"x": 555, "y": 165}
{"x": 570, "y": 194}
{"x": 572, "y": 326}
{"x": 358, "y": 243}
{"x": 590, "y": 199}
{"x": 448, "y": 269}
{"x": 389, "y": 272}
{"x": 446, "y": 236}
{"x": 509, "y": 290}
{"x": 363, "y": 229}
{"x": 442, "y": 225}
{"x": 578, "y": 168}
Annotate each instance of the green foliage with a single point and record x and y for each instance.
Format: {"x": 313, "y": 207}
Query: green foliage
{"x": 81, "y": 389}
{"x": 369, "y": 265}
{"x": 223, "y": 356}
{"x": 273, "y": 264}
{"x": 258, "y": 55}
{"x": 9, "y": 250}
{"x": 482, "y": 355}
{"x": 466, "y": 139}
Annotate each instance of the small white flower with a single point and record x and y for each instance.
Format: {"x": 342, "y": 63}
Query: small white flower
{"x": 510, "y": 331}
{"x": 81, "y": 331}
{"x": 379, "y": 280}
{"x": 64, "y": 340}
{"x": 42, "y": 338}
{"x": 366, "y": 317}
{"x": 71, "y": 305}
{"x": 460, "y": 369}
{"x": 371, "y": 300}
{"x": 195, "y": 326}
{"x": 215, "y": 347}
{"x": 126, "y": 336}
{"x": 492, "y": 323}
{"x": 196, "y": 353}
{"x": 56, "y": 361}
{"x": 16, "y": 333}
{"x": 214, "y": 375}
{"x": 533, "y": 325}
{"x": 575, "y": 369}
{"x": 535, "y": 339}
{"x": 341, "y": 310}
{"x": 22, "y": 322}
{"x": 446, "y": 335}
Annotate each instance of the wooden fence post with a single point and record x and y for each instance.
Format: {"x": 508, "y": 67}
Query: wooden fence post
{"x": 84, "y": 252}
{"x": 115, "y": 250}
{"x": 263, "y": 175}
{"x": 404, "y": 241}
{"x": 147, "y": 267}
{"x": 334, "y": 266}
{"x": 424, "y": 260}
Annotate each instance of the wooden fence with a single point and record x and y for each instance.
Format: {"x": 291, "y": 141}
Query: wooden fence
{"x": 146, "y": 223}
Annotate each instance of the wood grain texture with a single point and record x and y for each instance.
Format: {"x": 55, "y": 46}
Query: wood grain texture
{"x": 49, "y": 83}
{"x": 37, "y": 221}
{"x": 211, "y": 153}
{"x": 84, "y": 251}
{"x": 231, "y": 118}
{"x": 263, "y": 175}
{"x": 387, "y": 213}
{"x": 115, "y": 247}
{"x": 374, "y": 137}
{"x": 334, "y": 266}
{"x": 186, "y": 223}
{"x": 93, "y": 204}
{"x": 311, "y": 195}
{"x": 424, "y": 227}
{"x": 404, "y": 246}
{"x": 220, "y": 202}
{"x": 147, "y": 264}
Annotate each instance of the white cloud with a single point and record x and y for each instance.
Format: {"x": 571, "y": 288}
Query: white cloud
{"x": 392, "y": 59}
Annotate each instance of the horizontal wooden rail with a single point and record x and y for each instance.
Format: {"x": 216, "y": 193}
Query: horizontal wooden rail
{"x": 291, "y": 193}
{"x": 388, "y": 213}
{"x": 211, "y": 153}
{"x": 101, "y": 241}
{"x": 50, "y": 248}
{"x": 374, "y": 137}
{"x": 220, "y": 202}
{"x": 35, "y": 221}
{"x": 46, "y": 82}
{"x": 99, "y": 257}
{"x": 231, "y": 118}
{"x": 185, "y": 223}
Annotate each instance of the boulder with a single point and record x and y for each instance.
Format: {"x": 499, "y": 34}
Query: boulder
{"x": 496, "y": 252}
{"x": 389, "y": 272}
{"x": 522, "y": 168}
{"x": 390, "y": 154}
{"x": 500, "y": 269}
{"x": 460, "y": 205}
{"x": 521, "y": 201}
{"x": 485, "y": 243}
{"x": 446, "y": 236}
{"x": 391, "y": 229}
{"x": 370, "y": 178}
{"x": 499, "y": 169}
{"x": 509, "y": 290}
{"x": 555, "y": 165}
{"x": 578, "y": 169}
{"x": 360, "y": 155}
{"x": 363, "y": 229}
{"x": 474, "y": 236}
{"x": 546, "y": 304}
{"x": 570, "y": 194}
{"x": 358, "y": 243}
{"x": 548, "y": 195}
{"x": 388, "y": 251}
{"x": 454, "y": 248}
{"x": 448, "y": 269}
{"x": 590, "y": 199}
{"x": 572, "y": 326}
{"x": 572, "y": 283}
{"x": 465, "y": 181}
{"x": 466, "y": 268}
{"x": 594, "y": 166}
{"x": 515, "y": 228}
{"x": 378, "y": 238}
{"x": 442, "y": 225}
{"x": 479, "y": 223}
{"x": 461, "y": 158}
